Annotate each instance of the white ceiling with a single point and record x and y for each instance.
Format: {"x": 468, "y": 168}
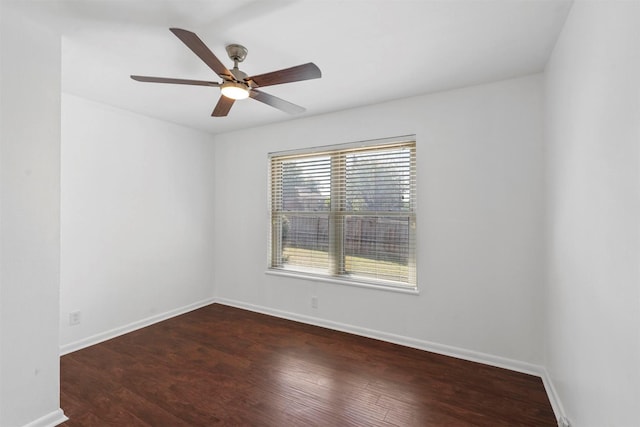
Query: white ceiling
{"x": 368, "y": 51}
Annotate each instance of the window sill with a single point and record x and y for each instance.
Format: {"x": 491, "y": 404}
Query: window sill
{"x": 341, "y": 281}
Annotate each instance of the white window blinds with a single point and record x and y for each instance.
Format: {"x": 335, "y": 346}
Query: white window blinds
{"x": 347, "y": 212}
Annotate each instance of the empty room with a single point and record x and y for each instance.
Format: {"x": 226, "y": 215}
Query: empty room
{"x": 301, "y": 212}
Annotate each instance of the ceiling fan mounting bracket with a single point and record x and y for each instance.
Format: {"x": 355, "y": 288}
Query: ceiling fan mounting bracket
{"x": 236, "y": 52}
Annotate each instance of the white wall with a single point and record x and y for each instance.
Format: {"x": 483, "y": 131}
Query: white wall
{"x": 137, "y": 219}
{"x": 592, "y": 86}
{"x": 29, "y": 221}
{"x": 480, "y": 224}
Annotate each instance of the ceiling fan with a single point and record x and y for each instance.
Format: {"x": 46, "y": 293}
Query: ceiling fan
{"x": 236, "y": 84}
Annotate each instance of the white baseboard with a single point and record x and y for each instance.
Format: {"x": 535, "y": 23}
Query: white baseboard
{"x": 104, "y": 336}
{"x": 52, "y": 419}
{"x": 554, "y": 399}
{"x": 457, "y": 352}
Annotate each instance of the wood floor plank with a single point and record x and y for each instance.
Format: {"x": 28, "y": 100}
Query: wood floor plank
{"x": 220, "y": 365}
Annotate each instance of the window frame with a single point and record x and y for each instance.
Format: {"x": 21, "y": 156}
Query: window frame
{"x": 337, "y": 215}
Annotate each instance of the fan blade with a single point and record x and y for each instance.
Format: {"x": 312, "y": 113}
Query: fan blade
{"x": 276, "y": 102}
{"x": 294, "y": 74}
{"x": 222, "y": 107}
{"x": 198, "y": 47}
{"x": 174, "y": 81}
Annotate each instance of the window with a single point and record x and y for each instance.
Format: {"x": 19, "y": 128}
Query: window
{"x": 346, "y": 212}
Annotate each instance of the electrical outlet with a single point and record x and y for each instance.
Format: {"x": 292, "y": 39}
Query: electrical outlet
{"x": 314, "y": 302}
{"x": 74, "y": 318}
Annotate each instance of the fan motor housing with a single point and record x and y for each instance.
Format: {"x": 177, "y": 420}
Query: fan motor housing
{"x": 239, "y": 74}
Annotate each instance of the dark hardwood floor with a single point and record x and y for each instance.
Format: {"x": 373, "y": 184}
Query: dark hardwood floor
{"x": 224, "y": 366}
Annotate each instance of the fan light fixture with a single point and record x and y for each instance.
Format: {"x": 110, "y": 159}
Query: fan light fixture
{"x": 235, "y": 90}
